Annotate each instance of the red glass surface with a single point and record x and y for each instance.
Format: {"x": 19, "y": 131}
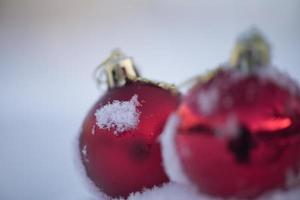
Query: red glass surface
{"x": 258, "y": 158}
{"x": 128, "y": 162}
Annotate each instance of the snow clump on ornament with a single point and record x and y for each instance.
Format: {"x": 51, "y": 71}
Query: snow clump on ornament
{"x": 120, "y": 115}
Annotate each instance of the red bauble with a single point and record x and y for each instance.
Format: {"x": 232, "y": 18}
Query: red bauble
{"x": 239, "y": 133}
{"x": 125, "y": 158}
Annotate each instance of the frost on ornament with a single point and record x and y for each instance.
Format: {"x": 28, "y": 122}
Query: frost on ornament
{"x": 282, "y": 79}
{"x": 84, "y": 153}
{"x": 208, "y": 100}
{"x": 267, "y": 73}
{"x": 119, "y": 115}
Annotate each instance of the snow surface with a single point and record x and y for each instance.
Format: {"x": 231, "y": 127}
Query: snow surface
{"x": 84, "y": 153}
{"x": 171, "y": 161}
{"x": 119, "y": 115}
{"x": 170, "y": 191}
{"x": 177, "y": 191}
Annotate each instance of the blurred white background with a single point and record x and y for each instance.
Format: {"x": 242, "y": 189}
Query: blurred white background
{"x": 49, "y": 49}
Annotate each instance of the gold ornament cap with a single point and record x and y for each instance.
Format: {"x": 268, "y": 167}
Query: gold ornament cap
{"x": 252, "y": 50}
{"x": 117, "y": 68}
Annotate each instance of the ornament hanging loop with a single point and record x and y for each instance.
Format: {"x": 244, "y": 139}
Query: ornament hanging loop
{"x": 115, "y": 70}
{"x": 251, "y": 51}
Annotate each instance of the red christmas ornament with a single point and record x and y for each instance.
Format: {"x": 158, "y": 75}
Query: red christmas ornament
{"x": 119, "y": 140}
{"x": 239, "y": 132}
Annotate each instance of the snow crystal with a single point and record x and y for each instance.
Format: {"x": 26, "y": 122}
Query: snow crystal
{"x": 172, "y": 191}
{"x": 207, "y": 101}
{"x": 177, "y": 191}
{"x": 271, "y": 73}
{"x": 84, "y": 153}
{"x": 292, "y": 194}
{"x": 170, "y": 160}
{"x": 120, "y": 115}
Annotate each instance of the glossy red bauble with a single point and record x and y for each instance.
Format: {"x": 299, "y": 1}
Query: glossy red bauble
{"x": 124, "y": 159}
{"x": 239, "y": 133}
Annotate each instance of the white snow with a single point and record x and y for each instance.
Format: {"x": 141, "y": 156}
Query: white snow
{"x": 119, "y": 115}
{"x": 208, "y": 100}
{"x": 84, "y": 150}
{"x": 269, "y": 73}
{"x": 171, "y": 161}
{"x": 84, "y": 153}
{"x": 177, "y": 191}
{"x": 292, "y": 194}
{"x": 170, "y": 191}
